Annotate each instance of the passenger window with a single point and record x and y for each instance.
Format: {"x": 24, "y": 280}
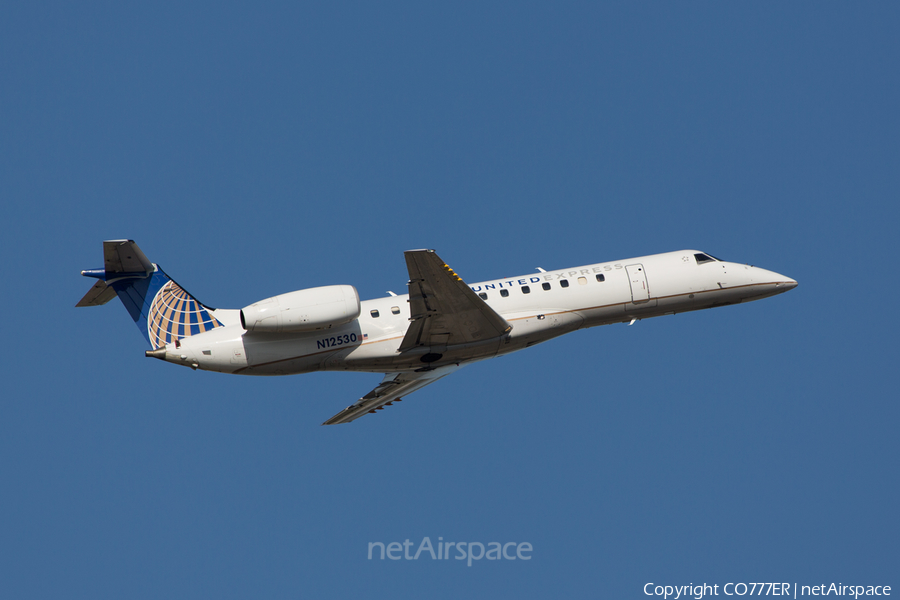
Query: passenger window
{"x": 601, "y": 277}
{"x": 564, "y": 283}
{"x": 504, "y": 293}
{"x": 526, "y": 289}
{"x": 395, "y": 310}
{"x": 546, "y": 286}
{"x": 582, "y": 281}
{"x": 374, "y": 314}
{"x": 483, "y": 296}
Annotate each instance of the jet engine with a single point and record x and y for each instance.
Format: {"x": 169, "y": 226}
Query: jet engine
{"x": 303, "y": 310}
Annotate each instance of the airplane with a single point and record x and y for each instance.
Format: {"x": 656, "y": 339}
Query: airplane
{"x": 442, "y": 324}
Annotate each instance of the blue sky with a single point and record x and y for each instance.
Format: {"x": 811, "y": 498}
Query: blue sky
{"x": 256, "y": 149}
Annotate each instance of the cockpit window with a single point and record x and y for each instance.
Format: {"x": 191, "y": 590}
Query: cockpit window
{"x": 703, "y": 258}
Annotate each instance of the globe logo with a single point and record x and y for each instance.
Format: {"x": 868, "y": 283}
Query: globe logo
{"x": 175, "y": 314}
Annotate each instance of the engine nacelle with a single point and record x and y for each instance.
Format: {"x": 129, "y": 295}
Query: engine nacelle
{"x": 303, "y": 310}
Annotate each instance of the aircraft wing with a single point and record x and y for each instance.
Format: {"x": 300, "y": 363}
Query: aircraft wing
{"x": 443, "y": 309}
{"x": 389, "y": 390}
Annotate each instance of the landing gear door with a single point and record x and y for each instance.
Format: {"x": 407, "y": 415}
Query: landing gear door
{"x": 640, "y": 289}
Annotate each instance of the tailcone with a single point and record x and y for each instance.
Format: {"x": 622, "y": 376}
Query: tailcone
{"x": 159, "y": 353}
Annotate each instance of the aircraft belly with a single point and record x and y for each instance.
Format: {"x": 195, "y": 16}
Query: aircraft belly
{"x": 292, "y": 366}
{"x": 724, "y": 296}
{"x": 604, "y": 315}
{"x": 384, "y": 357}
{"x": 374, "y": 355}
{"x": 282, "y": 354}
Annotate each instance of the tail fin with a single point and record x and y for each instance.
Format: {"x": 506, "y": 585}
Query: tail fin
{"x": 162, "y": 310}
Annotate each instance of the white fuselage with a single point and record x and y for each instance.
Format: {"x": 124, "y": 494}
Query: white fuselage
{"x": 637, "y": 288}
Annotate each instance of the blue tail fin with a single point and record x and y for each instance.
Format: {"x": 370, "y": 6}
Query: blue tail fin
{"x": 162, "y": 310}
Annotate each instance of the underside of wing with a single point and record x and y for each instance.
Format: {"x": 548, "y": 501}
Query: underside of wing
{"x": 443, "y": 310}
{"x": 390, "y": 390}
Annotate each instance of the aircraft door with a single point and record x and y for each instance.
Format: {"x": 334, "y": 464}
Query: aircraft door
{"x": 640, "y": 290}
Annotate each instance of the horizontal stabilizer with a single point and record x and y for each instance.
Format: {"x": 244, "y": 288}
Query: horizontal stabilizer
{"x": 99, "y": 294}
{"x": 124, "y": 256}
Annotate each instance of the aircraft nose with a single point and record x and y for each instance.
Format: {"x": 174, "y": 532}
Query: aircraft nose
{"x": 783, "y": 283}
